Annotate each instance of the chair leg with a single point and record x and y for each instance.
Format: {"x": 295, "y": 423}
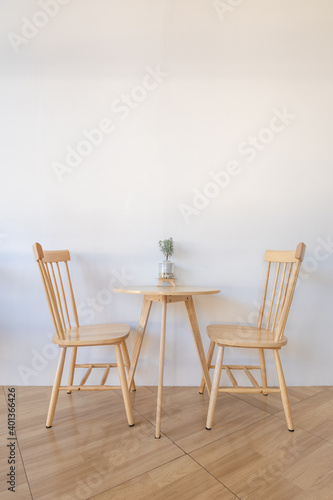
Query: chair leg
{"x": 72, "y": 368}
{"x": 55, "y": 390}
{"x": 263, "y": 370}
{"x": 215, "y": 387}
{"x": 123, "y": 383}
{"x": 209, "y": 360}
{"x": 284, "y": 393}
{"x": 127, "y": 362}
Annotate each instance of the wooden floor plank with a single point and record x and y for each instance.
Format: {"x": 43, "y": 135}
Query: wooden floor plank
{"x": 185, "y": 411}
{"x": 3, "y": 410}
{"x": 265, "y": 461}
{"x": 21, "y": 489}
{"x": 273, "y": 403}
{"x": 181, "y": 479}
{"x": 8, "y": 445}
{"x": 315, "y": 415}
{"x": 90, "y": 447}
{"x": 91, "y": 453}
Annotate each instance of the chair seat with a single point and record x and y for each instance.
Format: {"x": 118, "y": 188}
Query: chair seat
{"x": 91, "y": 335}
{"x": 244, "y": 336}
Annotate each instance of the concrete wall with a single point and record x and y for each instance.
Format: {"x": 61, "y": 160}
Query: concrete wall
{"x": 125, "y": 122}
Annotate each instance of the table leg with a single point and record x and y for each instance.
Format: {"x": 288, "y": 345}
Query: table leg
{"x": 146, "y": 306}
{"x": 198, "y": 341}
{"x": 160, "y": 370}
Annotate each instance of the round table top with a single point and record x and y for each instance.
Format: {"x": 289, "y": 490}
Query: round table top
{"x": 167, "y": 290}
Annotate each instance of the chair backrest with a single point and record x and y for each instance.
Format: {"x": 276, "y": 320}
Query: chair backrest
{"x": 52, "y": 264}
{"x": 278, "y": 292}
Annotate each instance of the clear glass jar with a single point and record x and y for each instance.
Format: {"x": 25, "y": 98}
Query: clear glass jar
{"x": 166, "y": 270}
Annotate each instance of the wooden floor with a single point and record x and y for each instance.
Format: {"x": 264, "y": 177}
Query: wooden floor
{"x": 91, "y": 453}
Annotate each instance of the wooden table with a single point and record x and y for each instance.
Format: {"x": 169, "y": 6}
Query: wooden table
{"x": 166, "y": 295}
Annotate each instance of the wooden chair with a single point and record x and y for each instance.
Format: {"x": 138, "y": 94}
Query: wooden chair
{"x": 279, "y": 294}
{"x": 56, "y": 288}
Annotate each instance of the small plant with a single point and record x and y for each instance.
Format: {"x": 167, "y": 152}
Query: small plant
{"x": 166, "y": 247}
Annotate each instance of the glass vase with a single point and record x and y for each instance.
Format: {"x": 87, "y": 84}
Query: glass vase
{"x": 166, "y": 270}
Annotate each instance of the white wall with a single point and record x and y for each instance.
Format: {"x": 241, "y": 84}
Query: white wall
{"x": 228, "y": 69}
